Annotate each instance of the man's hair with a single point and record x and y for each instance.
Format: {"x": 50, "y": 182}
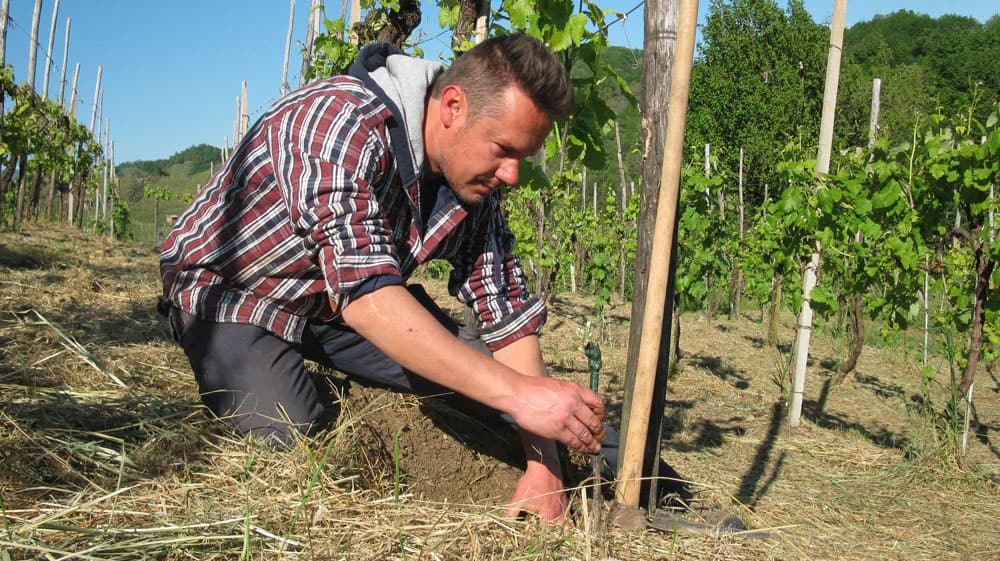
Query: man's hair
{"x": 492, "y": 66}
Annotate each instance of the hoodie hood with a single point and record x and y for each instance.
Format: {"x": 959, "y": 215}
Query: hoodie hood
{"x": 403, "y": 83}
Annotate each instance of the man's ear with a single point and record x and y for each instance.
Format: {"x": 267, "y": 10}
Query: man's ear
{"x": 453, "y": 106}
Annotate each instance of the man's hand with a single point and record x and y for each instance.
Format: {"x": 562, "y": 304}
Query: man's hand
{"x": 539, "y": 492}
{"x": 560, "y": 410}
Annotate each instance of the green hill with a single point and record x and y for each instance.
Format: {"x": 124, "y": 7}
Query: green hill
{"x": 181, "y": 174}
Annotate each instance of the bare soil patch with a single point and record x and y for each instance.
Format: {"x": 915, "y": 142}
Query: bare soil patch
{"x": 107, "y": 454}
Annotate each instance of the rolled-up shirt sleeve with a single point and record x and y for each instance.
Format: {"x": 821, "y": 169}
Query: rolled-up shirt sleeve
{"x": 332, "y": 157}
{"x": 492, "y": 282}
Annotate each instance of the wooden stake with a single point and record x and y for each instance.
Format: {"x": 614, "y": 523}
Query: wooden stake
{"x": 4, "y": 9}
{"x": 830, "y": 86}
{"x": 927, "y": 305}
{"x": 621, "y": 180}
{"x": 97, "y": 93}
{"x": 740, "y": 187}
{"x": 33, "y": 47}
{"x": 48, "y": 52}
{"x": 288, "y": 48}
{"x": 236, "y": 122}
{"x": 71, "y": 201}
{"x": 62, "y": 76}
{"x": 312, "y": 29}
{"x": 482, "y": 21}
{"x": 244, "y": 116}
{"x": 822, "y": 167}
{"x": 72, "y": 91}
{"x": 802, "y": 340}
{"x": 876, "y": 108}
{"x": 627, "y": 492}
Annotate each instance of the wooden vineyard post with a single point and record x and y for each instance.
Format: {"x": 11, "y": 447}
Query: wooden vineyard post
{"x": 97, "y": 93}
{"x": 312, "y": 29}
{"x": 288, "y": 47}
{"x": 4, "y": 9}
{"x": 622, "y": 206}
{"x": 32, "y": 54}
{"x": 51, "y": 186}
{"x": 236, "y": 123}
{"x": 659, "y": 46}
{"x": 737, "y": 302}
{"x": 62, "y": 75}
{"x": 642, "y": 393}
{"x": 33, "y": 47}
{"x": 804, "y": 328}
{"x": 73, "y": 195}
{"x": 802, "y": 340}
{"x": 48, "y": 52}
{"x": 244, "y": 115}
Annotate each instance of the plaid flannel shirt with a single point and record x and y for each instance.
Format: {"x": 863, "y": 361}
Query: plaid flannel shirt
{"x": 313, "y": 204}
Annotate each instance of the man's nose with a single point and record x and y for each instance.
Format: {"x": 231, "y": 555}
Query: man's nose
{"x": 508, "y": 170}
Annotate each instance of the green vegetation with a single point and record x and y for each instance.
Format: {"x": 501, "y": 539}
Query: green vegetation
{"x": 179, "y": 176}
{"x": 925, "y": 64}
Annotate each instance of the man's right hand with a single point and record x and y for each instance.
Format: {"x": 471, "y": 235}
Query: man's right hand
{"x": 560, "y": 410}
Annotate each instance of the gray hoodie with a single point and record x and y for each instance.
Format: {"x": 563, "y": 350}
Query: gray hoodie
{"x": 403, "y": 83}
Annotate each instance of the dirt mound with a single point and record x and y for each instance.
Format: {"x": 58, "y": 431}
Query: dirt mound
{"x": 442, "y": 454}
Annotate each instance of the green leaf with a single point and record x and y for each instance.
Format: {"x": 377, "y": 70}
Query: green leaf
{"x": 520, "y": 12}
{"x": 863, "y": 206}
{"x": 576, "y": 27}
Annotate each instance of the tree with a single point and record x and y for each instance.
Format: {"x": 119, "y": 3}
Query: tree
{"x": 757, "y": 84}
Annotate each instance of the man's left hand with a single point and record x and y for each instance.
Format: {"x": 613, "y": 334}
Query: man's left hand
{"x": 539, "y": 492}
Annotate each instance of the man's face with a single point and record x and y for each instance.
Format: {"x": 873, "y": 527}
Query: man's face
{"x": 480, "y": 157}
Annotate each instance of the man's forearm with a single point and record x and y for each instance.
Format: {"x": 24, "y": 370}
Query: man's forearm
{"x": 392, "y": 320}
{"x": 525, "y": 356}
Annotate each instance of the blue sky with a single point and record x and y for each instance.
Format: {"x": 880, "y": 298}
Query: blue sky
{"x": 172, "y": 70}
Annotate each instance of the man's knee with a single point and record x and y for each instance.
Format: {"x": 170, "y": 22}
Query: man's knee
{"x": 255, "y": 381}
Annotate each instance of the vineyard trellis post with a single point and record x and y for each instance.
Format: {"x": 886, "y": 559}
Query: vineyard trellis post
{"x": 312, "y": 29}
{"x": 97, "y": 92}
{"x": 245, "y": 114}
{"x": 623, "y": 203}
{"x": 107, "y": 172}
{"x": 98, "y": 197}
{"x": 48, "y": 51}
{"x": 737, "y": 274}
{"x": 62, "y": 70}
{"x": 33, "y": 45}
{"x": 73, "y": 196}
{"x": 648, "y": 391}
{"x": 113, "y": 194}
{"x": 236, "y": 123}
{"x": 288, "y": 47}
{"x": 23, "y": 161}
{"x": 659, "y": 44}
{"x": 804, "y": 327}
{"x": 4, "y": 9}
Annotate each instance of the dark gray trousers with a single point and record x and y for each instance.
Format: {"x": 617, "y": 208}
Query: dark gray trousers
{"x": 259, "y": 383}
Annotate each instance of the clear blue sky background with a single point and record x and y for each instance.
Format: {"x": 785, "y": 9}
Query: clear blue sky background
{"x": 172, "y": 70}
